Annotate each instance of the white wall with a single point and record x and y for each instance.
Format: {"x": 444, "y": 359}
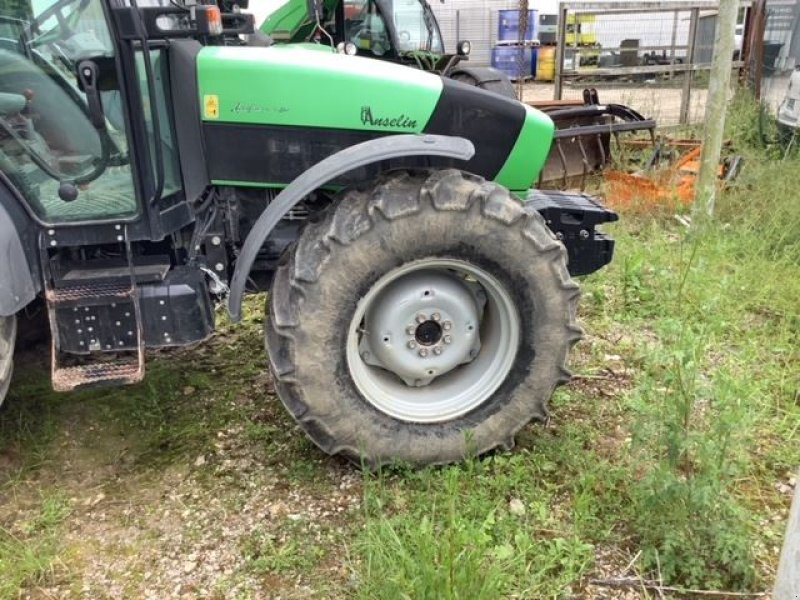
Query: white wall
{"x": 261, "y": 8}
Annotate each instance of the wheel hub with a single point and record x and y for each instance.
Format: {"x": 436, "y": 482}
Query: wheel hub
{"x": 428, "y": 333}
{"x": 422, "y": 326}
{"x": 432, "y": 340}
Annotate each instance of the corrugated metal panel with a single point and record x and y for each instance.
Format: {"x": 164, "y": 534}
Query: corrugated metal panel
{"x": 473, "y": 20}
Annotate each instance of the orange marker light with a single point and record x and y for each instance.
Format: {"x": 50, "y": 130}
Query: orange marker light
{"x": 214, "y": 20}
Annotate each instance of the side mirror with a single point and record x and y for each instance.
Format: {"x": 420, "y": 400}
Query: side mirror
{"x": 463, "y": 48}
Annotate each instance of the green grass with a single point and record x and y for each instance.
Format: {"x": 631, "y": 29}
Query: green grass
{"x": 29, "y": 551}
{"x": 668, "y": 448}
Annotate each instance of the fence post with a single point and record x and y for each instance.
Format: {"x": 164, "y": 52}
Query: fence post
{"x": 688, "y": 75}
{"x": 719, "y": 88}
{"x": 787, "y": 584}
{"x": 561, "y": 41}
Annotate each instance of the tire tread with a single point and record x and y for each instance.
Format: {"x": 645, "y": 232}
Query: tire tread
{"x": 393, "y": 197}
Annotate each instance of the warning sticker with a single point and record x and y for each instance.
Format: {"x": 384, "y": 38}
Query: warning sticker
{"x": 211, "y": 106}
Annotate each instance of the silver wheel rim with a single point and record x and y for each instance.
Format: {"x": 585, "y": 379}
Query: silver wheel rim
{"x": 432, "y": 340}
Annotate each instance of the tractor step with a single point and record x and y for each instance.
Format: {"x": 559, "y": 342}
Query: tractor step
{"x": 89, "y": 294}
{"x": 96, "y": 324}
{"x": 96, "y": 330}
{"x": 108, "y": 373}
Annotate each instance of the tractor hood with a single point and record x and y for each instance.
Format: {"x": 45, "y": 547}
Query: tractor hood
{"x": 302, "y": 105}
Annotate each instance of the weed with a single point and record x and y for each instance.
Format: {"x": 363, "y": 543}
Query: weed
{"x": 451, "y": 535}
{"x": 29, "y": 552}
{"x": 264, "y": 553}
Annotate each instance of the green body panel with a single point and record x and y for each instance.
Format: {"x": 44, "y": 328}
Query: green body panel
{"x": 530, "y": 152}
{"x": 296, "y": 86}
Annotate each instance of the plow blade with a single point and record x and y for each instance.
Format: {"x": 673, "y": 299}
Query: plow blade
{"x": 582, "y": 143}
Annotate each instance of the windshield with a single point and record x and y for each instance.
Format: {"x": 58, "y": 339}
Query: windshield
{"x": 46, "y": 136}
{"x": 412, "y": 19}
{"x": 416, "y": 26}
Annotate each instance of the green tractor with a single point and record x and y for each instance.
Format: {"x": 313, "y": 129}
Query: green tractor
{"x": 152, "y": 165}
{"x": 401, "y": 31}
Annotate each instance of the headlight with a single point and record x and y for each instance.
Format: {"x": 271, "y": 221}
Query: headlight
{"x": 464, "y": 48}
{"x": 348, "y": 48}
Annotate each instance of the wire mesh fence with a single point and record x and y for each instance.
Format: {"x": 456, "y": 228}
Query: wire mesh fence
{"x": 654, "y": 56}
{"x": 778, "y": 59}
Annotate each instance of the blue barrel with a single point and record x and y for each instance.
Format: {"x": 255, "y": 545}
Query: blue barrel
{"x": 508, "y": 26}
{"x": 534, "y": 60}
{"x": 507, "y": 60}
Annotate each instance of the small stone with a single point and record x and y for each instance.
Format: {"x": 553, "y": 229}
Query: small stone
{"x": 189, "y": 390}
{"x": 189, "y": 566}
{"x": 516, "y": 507}
{"x": 200, "y": 460}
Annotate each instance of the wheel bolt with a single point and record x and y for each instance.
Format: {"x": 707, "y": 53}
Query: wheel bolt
{"x": 365, "y": 355}
{"x": 410, "y": 330}
{"x": 447, "y": 339}
{"x": 437, "y": 351}
{"x": 421, "y": 318}
{"x": 412, "y": 344}
{"x": 436, "y": 316}
{"x": 447, "y": 325}
{"x": 423, "y": 352}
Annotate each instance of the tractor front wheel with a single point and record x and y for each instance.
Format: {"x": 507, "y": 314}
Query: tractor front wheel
{"x": 422, "y": 319}
{"x": 8, "y": 335}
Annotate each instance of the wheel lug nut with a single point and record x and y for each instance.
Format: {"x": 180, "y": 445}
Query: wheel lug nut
{"x": 436, "y": 316}
{"x": 447, "y": 339}
{"x": 412, "y": 344}
{"x": 421, "y": 318}
{"x": 447, "y": 325}
{"x": 423, "y": 352}
{"x": 410, "y": 330}
{"x": 365, "y": 355}
{"x": 437, "y": 351}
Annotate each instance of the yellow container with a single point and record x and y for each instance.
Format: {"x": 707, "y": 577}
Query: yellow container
{"x": 581, "y": 30}
{"x": 546, "y": 64}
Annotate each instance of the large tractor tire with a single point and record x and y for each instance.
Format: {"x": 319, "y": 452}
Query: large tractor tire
{"x": 8, "y": 335}
{"x": 423, "y": 319}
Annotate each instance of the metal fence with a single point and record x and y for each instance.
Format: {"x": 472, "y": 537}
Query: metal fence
{"x": 779, "y": 55}
{"x": 653, "y": 56}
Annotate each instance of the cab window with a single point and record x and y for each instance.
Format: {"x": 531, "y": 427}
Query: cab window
{"x": 365, "y": 27}
{"x": 46, "y": 135}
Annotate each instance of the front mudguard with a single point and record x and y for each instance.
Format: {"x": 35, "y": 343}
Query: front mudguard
{"x": 352, "y": 157}
{"x": 17, "y": 281}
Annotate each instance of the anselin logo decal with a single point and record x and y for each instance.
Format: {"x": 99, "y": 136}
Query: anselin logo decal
{"x": 401, "y": 122}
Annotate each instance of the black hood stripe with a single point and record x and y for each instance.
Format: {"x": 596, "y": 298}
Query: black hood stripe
{"x": 490, "y": 121}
